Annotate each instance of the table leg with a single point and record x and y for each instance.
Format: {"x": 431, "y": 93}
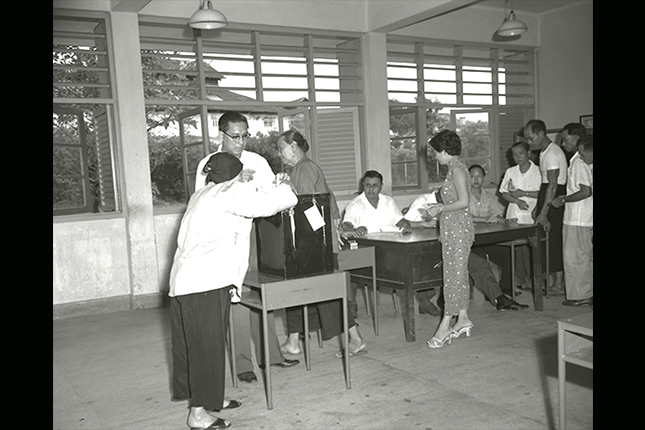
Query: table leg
{"x": 375, "y": 300}
{"x": 231, "y": 341}
{"x": 348, "y": 378}
{"x": 537, "y": 269}
{"x": 408, "y": 314}
{"x": 562, "y": 379}
{"x": 305, "y": 315}
{"x": 267, "y": 359}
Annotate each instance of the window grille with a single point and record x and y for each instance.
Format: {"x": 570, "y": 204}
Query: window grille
{"x": 277, "y": 77}
{"x": 83, "y": 158}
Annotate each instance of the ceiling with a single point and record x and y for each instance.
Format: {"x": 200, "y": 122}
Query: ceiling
{"x": 529, "y": 6}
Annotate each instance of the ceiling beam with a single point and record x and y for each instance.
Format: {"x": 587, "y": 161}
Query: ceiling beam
{"x": 432, "y": 12}
{"x": 128, "y": 5}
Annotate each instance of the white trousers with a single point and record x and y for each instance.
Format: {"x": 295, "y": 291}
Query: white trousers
{"x": 577, "y": 255}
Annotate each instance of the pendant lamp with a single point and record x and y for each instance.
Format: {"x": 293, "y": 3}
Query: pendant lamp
{"x": 207, "y": 18}
{"x": 511, "y": 26}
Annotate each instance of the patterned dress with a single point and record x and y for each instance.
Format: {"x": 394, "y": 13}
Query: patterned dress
{"x": 457, "y": 234}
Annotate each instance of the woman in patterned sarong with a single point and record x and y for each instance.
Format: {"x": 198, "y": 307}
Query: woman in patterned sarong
{"x": 456, "y": 233}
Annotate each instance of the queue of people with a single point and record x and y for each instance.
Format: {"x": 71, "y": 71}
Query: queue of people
{"x": 233, "y": 186}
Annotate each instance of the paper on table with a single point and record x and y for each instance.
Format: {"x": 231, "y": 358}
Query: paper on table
{"x": 390, "y": 229}
{"x": 419, "y": 205}
{"x": 315, "y": 219}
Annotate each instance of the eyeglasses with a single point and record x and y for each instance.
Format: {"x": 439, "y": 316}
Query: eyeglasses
{"x": 245, "y": 136}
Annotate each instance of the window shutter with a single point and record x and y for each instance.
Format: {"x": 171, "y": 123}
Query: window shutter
{"x": 510, "y": 123}
{"x": 338, "y": 148}
{"x": 104, "y": 161}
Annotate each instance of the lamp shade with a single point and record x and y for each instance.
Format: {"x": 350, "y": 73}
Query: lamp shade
{"x": 207, "y": 18}
{"x": 511, "y": 26}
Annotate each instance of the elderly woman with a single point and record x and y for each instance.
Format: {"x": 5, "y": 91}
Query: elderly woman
{"x": 308, "y": 178}
{"x": 457, "y": 234}
{"x": 207, "y": 274}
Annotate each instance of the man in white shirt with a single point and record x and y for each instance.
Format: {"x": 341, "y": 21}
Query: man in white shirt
{"x": 207, "y": 273}
{"x": 371, "y": 212}
{"x": 233, "y": 132}
{"x": 578, "y": 225}
{"x": 553, "y": 169}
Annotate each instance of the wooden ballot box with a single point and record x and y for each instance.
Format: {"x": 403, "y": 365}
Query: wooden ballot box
{"x": 297, "y": 242}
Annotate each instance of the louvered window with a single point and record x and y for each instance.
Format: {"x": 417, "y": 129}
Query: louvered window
{"x": 83, "y": 158}
{"x": 278, "y": 77}
{"x": 484, "y": 92}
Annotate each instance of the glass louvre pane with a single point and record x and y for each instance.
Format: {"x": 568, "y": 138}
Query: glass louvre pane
{"x": 284, "y": 68}
{"x": 478, "y": 88}
{"x": 286, "y": 83}
{"x": 478, "y": 100}
{"x": 326, "y": 70}
{"x": 441, "y": 98}
{"x": 402, "y": 97}
{"x": 440, "y": 87}
{"x": 327, "y": 84}
{"x": 402, "y": 72}
{"x": 439, "y": 74}
{"x": 325, "y": 97}
{"x": 394, "y": 85}
{"x": 284, "y": 96}
{"x": 80, "y": 60}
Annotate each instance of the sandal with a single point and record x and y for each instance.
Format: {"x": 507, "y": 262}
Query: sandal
{"x": 218, "y": 424}
{"x": 341, "y": 354}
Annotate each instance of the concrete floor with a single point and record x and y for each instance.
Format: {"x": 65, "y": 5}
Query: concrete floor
{"x": 112, "y": 371}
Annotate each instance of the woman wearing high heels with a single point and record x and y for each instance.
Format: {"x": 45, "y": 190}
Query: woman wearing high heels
{"x": 456, "y": 233}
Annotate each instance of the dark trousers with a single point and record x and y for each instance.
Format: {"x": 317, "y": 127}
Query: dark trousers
{"x": 555, "y": 217}
{"x": 199, "y": 326}
{"x": 501, "y": 256}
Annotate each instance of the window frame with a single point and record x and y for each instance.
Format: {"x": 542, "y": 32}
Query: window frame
{"x": 262, "y": 46}
{"x": 511, "y": 86}
{"x": 108, "y": 199}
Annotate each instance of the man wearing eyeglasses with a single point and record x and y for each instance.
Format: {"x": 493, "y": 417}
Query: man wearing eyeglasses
{"x": 233, "y": 132}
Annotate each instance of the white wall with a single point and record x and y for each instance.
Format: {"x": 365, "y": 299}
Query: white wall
{"x": 565, "y": 65}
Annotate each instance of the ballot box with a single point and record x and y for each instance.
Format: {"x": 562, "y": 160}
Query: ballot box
{"x": 297, "y": 242}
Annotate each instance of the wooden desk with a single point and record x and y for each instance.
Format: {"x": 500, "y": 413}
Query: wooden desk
{"x": 268, "y": 293}
{"x": 411, "y": 262}
{"x": 575, "y": 345}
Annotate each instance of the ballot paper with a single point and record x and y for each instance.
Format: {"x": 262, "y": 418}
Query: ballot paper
{"x": 419, "y": 206}
{"x": 316, "y": 221}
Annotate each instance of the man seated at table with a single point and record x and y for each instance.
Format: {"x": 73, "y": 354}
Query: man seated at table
{"x": 371, "y": 212}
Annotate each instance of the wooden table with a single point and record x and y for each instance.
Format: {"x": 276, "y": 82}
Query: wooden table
{"x": 412, "y": 261}
{"x": 575, "y": 345}
{"x": 268, "y": 293}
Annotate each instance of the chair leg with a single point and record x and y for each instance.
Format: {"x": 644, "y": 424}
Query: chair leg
{"x": 320, "y": 339}
{"x": 395, "y": 300}
{"x": 513, "y": 270}
{"x": 366, "y": 298}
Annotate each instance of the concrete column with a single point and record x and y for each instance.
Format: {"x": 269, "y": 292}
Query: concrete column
{"x": 377, "y": 117}
{"x": 134, "y": 161}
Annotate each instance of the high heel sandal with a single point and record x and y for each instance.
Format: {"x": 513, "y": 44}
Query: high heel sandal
{"x": 466, "y": 329}
{"x": 435, "y": 343}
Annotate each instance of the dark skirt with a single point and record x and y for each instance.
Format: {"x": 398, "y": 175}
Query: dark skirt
{"x": 555, "y": 217}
